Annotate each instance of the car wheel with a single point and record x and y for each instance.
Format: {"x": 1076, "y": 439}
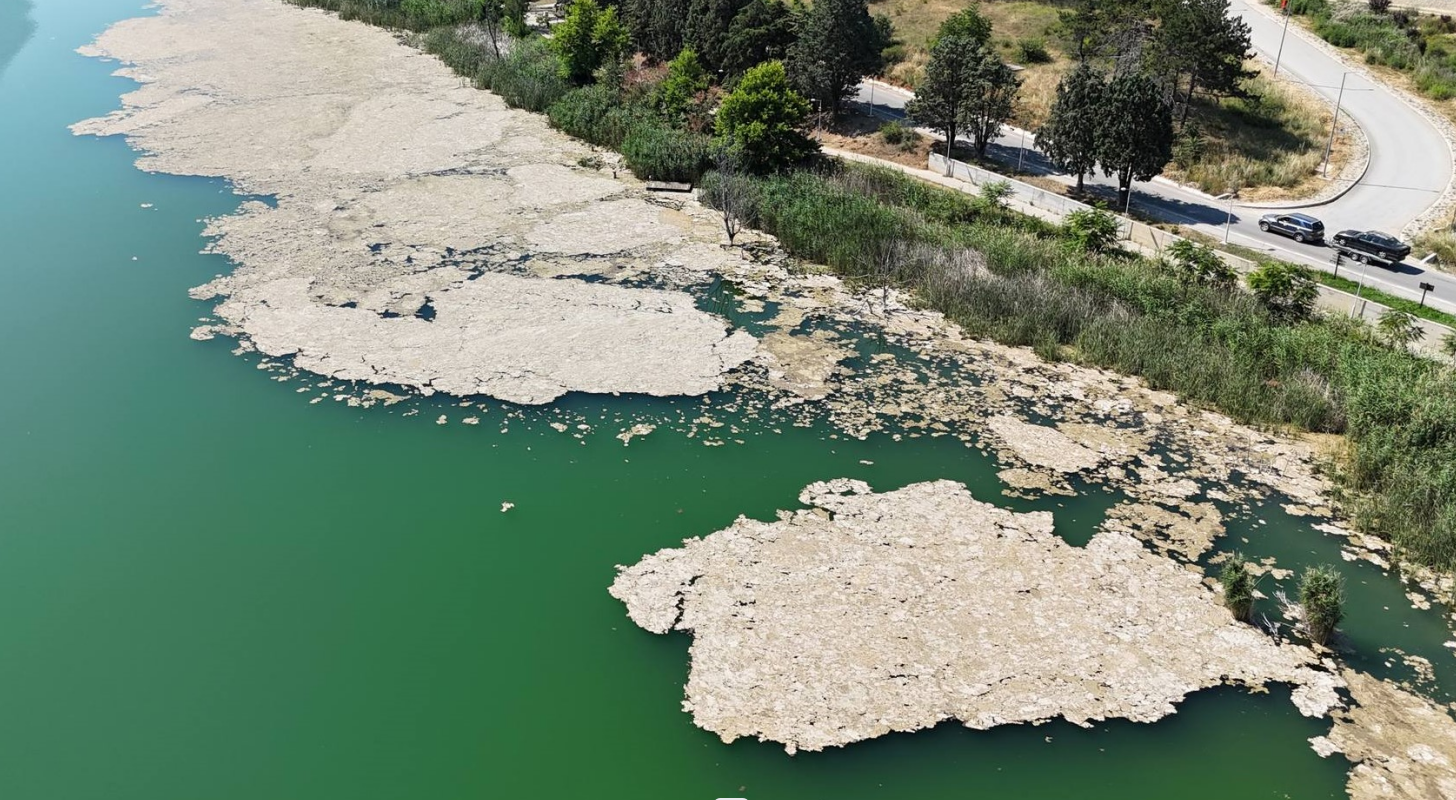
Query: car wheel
{"x": 1299, "y": 237}
{"x": 1264, "y": 226}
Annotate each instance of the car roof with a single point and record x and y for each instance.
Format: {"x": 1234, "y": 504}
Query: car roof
{"x": 1305, "y": 218}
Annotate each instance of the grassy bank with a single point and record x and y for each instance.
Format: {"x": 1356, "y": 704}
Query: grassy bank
{"x": 1422, "y": 45}
{"x": 1019, "y": 282}
{"x": 411, "y": 15}
{"x": 1411, "y": 307}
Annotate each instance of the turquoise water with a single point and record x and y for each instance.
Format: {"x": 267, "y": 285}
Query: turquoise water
{"x": 211, "y": 588}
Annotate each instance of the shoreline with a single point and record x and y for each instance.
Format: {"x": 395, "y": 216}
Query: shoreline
{"x": 298, "y": 273}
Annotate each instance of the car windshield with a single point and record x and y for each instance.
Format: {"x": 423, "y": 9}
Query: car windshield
{"x": 1382, "y": 238}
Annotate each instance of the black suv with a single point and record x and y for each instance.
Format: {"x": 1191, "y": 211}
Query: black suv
{"x": 1300, "y": 227}
{"x": 1362, "y": 245}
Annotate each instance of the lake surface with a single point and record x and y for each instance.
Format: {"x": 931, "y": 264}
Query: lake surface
{"x": 211, "y": 587}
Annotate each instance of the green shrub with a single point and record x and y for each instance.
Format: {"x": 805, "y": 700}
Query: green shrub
{"x": 1287, "y": 290}
{"x": 895, "y": 133}
{"x": 1322, "y": 601}
{"x": 1033, "y": 51}
{"x": 1091, "y": 229}
{"x": 1238, "y": 587}
{"x": 414, "y": 15}
{"x": 597, "y": 114}
{"x": 655, "y": 151}
{"x": 994, "y": 194}
{"x": 528, "y": 77}
{"x": 1199, "y": 263}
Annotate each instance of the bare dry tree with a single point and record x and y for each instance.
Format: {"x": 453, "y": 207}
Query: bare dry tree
{"x": 730, "y": 191}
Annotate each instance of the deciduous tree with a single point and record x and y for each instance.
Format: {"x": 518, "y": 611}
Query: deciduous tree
{"x": 514, "y": 18}
{"x": 1134, "y": 132}
{"x": 492, "y": 19}
{"x": 1199, "y": 48}
{"x": 1069, "y": 137}
{"x": 764, "y": 119}
{"x": 991, "y": 99}
{"x": 941, "y": 99}
{"x": 686, "y": 81}
{"x": 588, "y": 38}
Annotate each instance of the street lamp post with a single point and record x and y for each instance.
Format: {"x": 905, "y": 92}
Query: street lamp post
{"x": 1280, "y": 54}
{"x": 1359, "y": 289}
{"x": 1021, "y": 153}
{"x": 1228, "y": 223}
{"x": 1335, "y": 121}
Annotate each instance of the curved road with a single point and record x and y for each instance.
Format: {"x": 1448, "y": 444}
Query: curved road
{"x": 1410, "y": 163}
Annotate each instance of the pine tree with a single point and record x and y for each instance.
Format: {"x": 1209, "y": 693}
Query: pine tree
{"x": 1134, "y": 132}
{"x": 761, "y": 32}
{"x": 657, "y": 26}
{"x": 1198, "y": 47}
{"x": 1069, "y": 136}
{"x": 706, "y": 30}
{"x": 838, "y": 45}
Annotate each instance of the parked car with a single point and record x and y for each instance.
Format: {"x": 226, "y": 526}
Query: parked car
{"x": 1371, "y": 245}
{"x": 1299, "y": 227}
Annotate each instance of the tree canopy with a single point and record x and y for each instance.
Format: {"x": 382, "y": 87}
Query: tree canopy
{"x": 839, "y": 43}
{"x": 1069, "y": 136}
{"x": 588, "y": 38}
{"x": 1134, "y": 131}
{"x": 686, "y": 80}
{"x": 940, "y": 101}
{"x": 763, "y": 120}
{"x": 761, "y": 32}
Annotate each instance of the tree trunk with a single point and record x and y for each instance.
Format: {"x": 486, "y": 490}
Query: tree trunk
{"x": 1080, "y": 177}
{"x": 1188, "y": 101}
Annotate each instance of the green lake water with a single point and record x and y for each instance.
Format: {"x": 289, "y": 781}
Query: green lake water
{"x": 213, "y": 589}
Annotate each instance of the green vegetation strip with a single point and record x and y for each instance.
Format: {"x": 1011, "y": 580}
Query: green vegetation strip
{"x": 1179, "y": 325}
{"x": 1376, "y": 296}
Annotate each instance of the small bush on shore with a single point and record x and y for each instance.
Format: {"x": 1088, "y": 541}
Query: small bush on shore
{"x": 1238, "y": 587}
{"x": 1322, "y": 601}
{"x": 655, "y": 151}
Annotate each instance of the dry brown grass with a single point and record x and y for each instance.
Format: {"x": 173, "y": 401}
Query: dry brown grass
{"x": 860, "y": 134}
{"x": 1271, "y": 150}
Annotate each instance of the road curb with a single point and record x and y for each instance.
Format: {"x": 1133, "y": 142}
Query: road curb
{"x": 1443, "y": 126}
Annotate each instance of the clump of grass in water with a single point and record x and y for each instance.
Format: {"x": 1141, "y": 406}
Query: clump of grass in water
{"x": 1238, "y": 587}
{"x": 1322, "y": 600}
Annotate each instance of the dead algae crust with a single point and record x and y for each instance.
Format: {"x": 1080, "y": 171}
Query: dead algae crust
{"x": 403, "y": 198}
{"x": 872, "y": 613}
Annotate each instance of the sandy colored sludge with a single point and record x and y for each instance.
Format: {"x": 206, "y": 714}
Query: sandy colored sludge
{"x": 1404, "y": 745}
{"x": 872, "y": 613}
{"x": 403, "y": 198}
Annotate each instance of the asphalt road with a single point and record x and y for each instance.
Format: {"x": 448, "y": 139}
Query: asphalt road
{"x": 1410, "y": 165}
